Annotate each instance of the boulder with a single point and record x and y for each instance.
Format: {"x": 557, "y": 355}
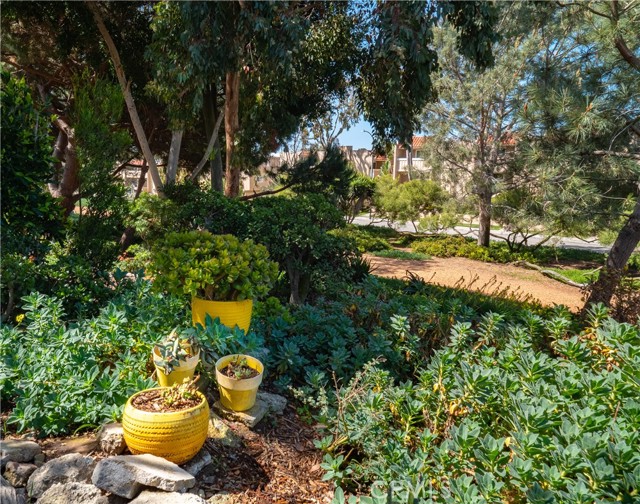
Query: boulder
{"x": 127, "y": 475}
{"x": 72, "y": 493}
{"x": 222, "y": 498}
{"x": 72, "y": 467}
{"x": 18, "y": 450}
{"x": 221, "y": 432}
{"x": 18, "y": 474}
{"x": 198, "y": 463}
{"x": 155, "y": 497}
{"x": 7, "y": 492}
{"x": 111, "y": 439}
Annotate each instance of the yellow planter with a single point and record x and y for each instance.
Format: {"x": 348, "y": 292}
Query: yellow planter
{"x": 230, "y": 313}
{"x": 185, "y": 370}
{"x": 238, "y": 395}
{"x": 176, "y": 436}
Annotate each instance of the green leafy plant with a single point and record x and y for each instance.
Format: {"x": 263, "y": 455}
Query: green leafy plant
{"x": 179, "y": 392}
{"x": 490, "y": 418}
{"x": 58, "y": 376}
{"x": 212, "y": 267}
{"x": 178, "y": 346}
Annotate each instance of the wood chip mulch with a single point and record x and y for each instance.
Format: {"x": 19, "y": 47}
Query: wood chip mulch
{"x": 277, "y": 463}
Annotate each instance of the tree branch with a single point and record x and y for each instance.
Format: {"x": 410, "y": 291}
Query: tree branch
{"x": 128, "y": 98}
{"x": 628, "y": 155}
{"x": 207, "y": 153}
{"x": 265, "y": 193}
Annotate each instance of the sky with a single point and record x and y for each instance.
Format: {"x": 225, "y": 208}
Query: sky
{"x": 357, "y": 136}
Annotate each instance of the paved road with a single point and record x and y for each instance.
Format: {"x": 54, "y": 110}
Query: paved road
{"x": 498, "y": 235}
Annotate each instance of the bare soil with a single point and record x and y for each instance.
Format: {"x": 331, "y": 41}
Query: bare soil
{"x": 156, "y": 402}
{"x": 489, "y": 278}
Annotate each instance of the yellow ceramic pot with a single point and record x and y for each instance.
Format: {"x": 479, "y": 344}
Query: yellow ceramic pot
{"x": 184, "y": 370}
{"x": 176, "y": 436}
{"x": 238, "y": 395}
{"x": 230, "y": 313}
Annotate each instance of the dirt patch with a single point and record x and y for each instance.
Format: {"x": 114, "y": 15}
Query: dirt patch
{"x": 482, "y": 277}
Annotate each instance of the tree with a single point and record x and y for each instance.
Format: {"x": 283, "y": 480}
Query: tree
{"x": 582, "y": 122}
{"x": 473, "y": 126}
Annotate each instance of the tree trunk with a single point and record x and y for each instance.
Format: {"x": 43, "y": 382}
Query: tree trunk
{"x": 70, "y": 182}
{"x": 484, "y": 217}
{"x": 215, "y": 165}
{"x": 174, "y": 156}
{"x": 603, "y": 289}
{"x": 207, "y": 153}
{"x": 128, "y": 97}
{"x": 231, "y": 105}
{"x": 58, "y": 154}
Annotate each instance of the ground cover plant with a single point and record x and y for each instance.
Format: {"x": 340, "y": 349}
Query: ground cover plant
{"x": 491, "y": 419}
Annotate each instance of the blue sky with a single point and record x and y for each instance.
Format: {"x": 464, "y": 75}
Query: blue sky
{"x": 356, "y": 136}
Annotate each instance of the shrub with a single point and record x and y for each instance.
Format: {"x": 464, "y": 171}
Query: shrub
{"x": 364, "y": 240}
{"x": 59, "y": 377}
{"x": 491, "y": 419}
{"x": 212, "y": 267}
{"x": 409, "y": 201}
{"x": 295, "y": 230}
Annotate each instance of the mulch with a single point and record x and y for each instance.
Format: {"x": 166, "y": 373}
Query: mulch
{"x": 277, "y": 463}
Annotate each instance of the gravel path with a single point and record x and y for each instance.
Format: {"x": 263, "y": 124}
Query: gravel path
{"x": 483, "y": 277}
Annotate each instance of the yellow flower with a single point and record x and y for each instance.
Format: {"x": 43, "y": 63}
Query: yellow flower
{"x": 20, "y": 318}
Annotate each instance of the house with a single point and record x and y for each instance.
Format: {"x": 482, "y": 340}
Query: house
{"x": 403, "y": 160}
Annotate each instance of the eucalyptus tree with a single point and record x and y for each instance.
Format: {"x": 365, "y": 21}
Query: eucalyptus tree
{"x": 51, "y": 43}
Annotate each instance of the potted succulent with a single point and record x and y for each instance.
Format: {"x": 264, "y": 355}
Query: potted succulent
{"x": 221, "y": 273}
{"x": 176, "y": 357}
{"x": 238, "y": 377}
{"x": 169, "y": 422}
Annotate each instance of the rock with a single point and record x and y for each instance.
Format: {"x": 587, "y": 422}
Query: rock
{"x": 18, "y": 450}
{"x": 198, "y": 463}
{"x": 72, "y": 493}
{"x": 111, "y": 439}
{"x": 221, "y": 432}
{"x": 7, "y": 492}
{"x": 126, "y": 475}
{"x": 18, "y": 474}
{"x": 276, "y": 403}
{"x": 265, "y": 403}
{"x": 72, "y": 467}
{"x": 154, "y": 497}
{"x": 21, "y": 496}
{"x": 223, "y": 498}
{"x": 39, "y": 459}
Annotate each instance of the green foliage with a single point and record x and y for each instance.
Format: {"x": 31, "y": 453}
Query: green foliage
{"x": 359, "y": 196}
{"x": 61, "y": 376}
{"x": 409, "y": 201}
{"x": 178, "y": 346}
{"x": 30, "y": 216}
{"x": 458, "y": 246}
{"x": 401, "y": 323}
{"x": 402, "y": 254}
{"x": 212, "y": 267}
{"x": 27, "y": 208}
{"x": 97, "y": 107}
{"x": 490, "y": 418}
{"x": 295, "y": 232}
{"x": 365, "y": 239}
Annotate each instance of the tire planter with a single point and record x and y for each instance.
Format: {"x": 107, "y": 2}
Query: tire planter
{"x": 176, "y": 436}
{"x": 230, "y": 313}
{"x": 185, "y": 369}
{"x": 238, "y": 395}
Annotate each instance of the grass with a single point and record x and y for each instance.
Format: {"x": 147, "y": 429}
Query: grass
{"x": 401, "y": 254}
{"x": 582, "y": 276}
